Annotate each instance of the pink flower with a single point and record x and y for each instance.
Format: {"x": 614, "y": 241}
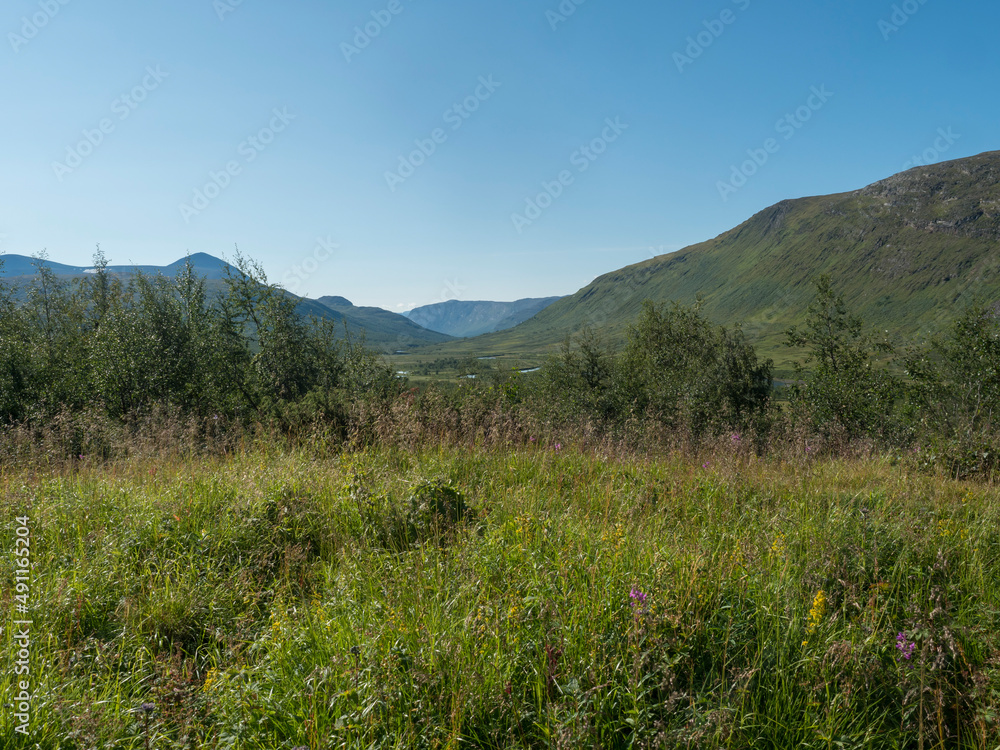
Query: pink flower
{"x": 638, "y": 597}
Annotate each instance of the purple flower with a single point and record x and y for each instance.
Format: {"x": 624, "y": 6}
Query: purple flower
{"x": 705, "y": 465}
{"x": 531, "y": 439}
{"x": 905, "y": 646}
{"x": 638, "y": 597}
{"x": 736, "y": 438}
{"x": 558, "y": 447}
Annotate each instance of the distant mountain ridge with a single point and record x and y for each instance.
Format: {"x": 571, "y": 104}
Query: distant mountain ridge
{"x": 383, "y": 330}
{"x": 206, "y": 265}
{"x": 907, "y": 252}
{"x": 466, "y": 319}
{"x": 377, "y": 320}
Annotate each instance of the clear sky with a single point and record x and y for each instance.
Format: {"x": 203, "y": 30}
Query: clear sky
{"x": 461, "y": 148}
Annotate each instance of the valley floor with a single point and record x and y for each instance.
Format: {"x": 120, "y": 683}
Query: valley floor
{"x": 540, "y": 597}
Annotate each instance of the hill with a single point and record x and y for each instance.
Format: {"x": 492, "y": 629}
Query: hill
{"x": 387, "y": 330}
{"x": 205, "y": 265}
{"x": 907, "y": 252}
{"x": 383, "y": 330}
{"x": 466, "y": 319}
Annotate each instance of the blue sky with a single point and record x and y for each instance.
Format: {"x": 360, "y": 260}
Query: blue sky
{"x": 469, "y": 149}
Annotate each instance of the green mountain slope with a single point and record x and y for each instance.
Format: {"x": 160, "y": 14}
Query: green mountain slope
{"x": 907, "y": 252}
{"x": 386, "y": 330}
{"x": 472, "y": 318}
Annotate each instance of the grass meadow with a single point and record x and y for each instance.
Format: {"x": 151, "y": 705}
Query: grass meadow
{"x": 539, "y": 596}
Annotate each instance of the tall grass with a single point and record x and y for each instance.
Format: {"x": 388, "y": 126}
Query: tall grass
{"x": 527, "y": 596}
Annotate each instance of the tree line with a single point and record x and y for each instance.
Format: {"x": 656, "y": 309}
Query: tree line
{"x": 241, "y": 352}
{"x": 129, "y": 345}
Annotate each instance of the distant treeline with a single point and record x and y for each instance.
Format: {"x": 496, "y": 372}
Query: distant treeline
{"x": 112, "y": 351}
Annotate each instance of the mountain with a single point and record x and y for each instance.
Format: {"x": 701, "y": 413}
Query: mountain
{"x": 204, "y": 265}
{"x": 383, "y": 330}
{"x": 466, "y": 319}
{"x": 908, "y": 253}
{"x": 391, "y": 331}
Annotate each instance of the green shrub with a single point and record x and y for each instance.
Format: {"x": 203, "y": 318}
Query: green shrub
{"x": 840, "y": 385}
{"x": 954, "y": 394}
{"x": 676, "y": 368}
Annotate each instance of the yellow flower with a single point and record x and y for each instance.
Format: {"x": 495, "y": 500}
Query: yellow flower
{"x": 210, "y": 679}
{"x": 779, "y": 546}
{"x": 816, "y": 614}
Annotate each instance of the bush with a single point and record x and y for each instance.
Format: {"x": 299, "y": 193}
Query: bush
{"x": 684, "y": 369}
{"x": 843, "y": 388}
{"x": 128, "y": 349}
{"x": 677, "y": 369}
{"x": 954, "y": 394}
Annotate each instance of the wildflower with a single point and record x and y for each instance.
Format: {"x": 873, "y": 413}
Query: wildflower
{"x": 637, "y": 596}
{"x": 905, "y": 646}
{"x": 531, "y": 439}
{"x": 705, "y": 465}
{"x": 779, "y": 546}
{"x": 210, "y": 679}
{"x": 816, "y": 614}
{"x": 558, "y": 447}
{"x": 736, "y": 438}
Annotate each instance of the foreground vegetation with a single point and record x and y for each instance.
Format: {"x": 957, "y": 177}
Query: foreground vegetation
{"x": 247, "y": 532}
{"x": 534, "y": 596}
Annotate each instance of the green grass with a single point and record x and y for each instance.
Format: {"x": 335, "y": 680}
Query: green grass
{"x": 279, "y": 600}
